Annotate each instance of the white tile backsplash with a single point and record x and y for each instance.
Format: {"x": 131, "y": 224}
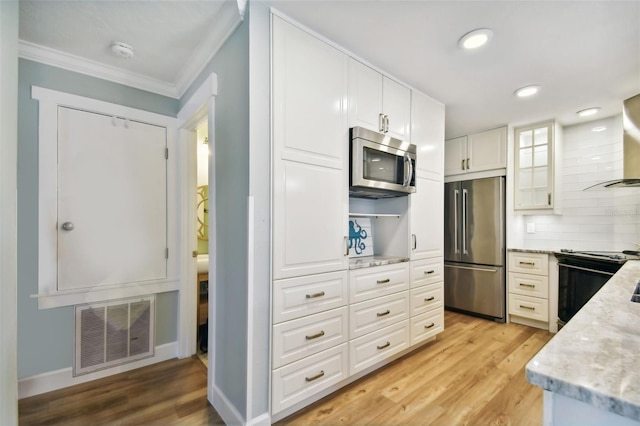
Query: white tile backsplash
{"x": 602, "y": 219}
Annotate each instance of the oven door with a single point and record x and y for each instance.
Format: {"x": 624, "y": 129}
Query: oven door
{"x": 577, "y": 283}
{"x": 381, "y": 167}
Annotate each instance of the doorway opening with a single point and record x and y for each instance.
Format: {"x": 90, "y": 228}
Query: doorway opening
{"x": 202, "y": 236}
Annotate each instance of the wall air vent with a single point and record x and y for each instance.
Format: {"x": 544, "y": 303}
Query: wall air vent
{"x": 113, "y": 333}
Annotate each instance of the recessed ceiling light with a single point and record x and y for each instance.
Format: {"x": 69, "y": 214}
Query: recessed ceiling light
{"x": 599, "y": 129}
{"x": 588, "y": 112}
{"x": 475, "y": 38}
{"x": 122, "y": 50}
{"x": 525, "y": 92}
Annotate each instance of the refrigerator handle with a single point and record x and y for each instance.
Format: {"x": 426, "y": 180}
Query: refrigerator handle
{"x": 456, "y": 194}
{"x": 464, "y": 221}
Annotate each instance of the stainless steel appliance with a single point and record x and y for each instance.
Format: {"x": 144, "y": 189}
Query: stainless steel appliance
{"x": 381, "y": 166}
{"x": 474, "y": 247}
{"x": 581, "y": 274}
{"x": 631, "y": 147}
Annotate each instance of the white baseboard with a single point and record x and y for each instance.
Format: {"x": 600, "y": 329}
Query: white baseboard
{"x": 225, "y": 408}
{"x": 261, "y": 420}
{"x": 53, "y": 380}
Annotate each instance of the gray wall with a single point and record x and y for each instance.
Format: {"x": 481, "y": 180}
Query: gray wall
{"x": 231, "y": 180}
{"x": 45, "y": 337}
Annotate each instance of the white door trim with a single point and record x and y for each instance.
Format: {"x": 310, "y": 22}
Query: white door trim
{"x": 201, "y": 105}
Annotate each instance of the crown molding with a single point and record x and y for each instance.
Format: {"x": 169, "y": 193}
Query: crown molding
{"x": 227, "y": 21}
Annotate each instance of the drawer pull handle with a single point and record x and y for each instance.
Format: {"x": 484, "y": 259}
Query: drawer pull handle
{"x": 429, "y": 299}
{"x": 317, "y": 376}
{"x": 429, "y": 272}
{"x": 528, "y": 285}
{"x": 386, "y": 345}
{"x": 430, "y": 325}
{"x": 531, "y": 308}
{"x": 528, "y": 263}
{"x": 381, "y": 314}
{"x": 311, "y": 296}
{"x": 315, "y": 336}
{"x": 383, "y": 281}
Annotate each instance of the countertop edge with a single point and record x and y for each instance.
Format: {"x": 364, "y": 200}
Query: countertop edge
{"x": 521, "y": 250}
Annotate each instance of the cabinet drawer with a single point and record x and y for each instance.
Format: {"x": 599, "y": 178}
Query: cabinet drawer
{"x": 529, "y": 285}
{"x": 529, "y": 263}
{"x": 299, "y": 380}
{"x": 297, "y": 297}
{"x": 529, "y": 307}
{"x": 426, "y": 271}
{"x": 427, "y": 298}
{"x": 377, "y": 346}
{"x": 367, "y": 283}
{"x": 427, "y": 325}
{"x": 294, "y": 340}
{"x": 372, "y": 315}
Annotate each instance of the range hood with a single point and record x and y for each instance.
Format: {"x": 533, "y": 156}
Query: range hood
{"x": 631, "y": 147}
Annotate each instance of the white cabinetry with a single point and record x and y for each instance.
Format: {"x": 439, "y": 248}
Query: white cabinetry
{"x": 478, "y": 152}
{"x": 427, "y": 133}
{"x": 528, "y": 284}
{"x": 537, "y": 158}
{"x": 377, "y": 102}
{"x": 427, "y": 299}
{"x": 427, "y": 219}
{"x": 310, "y": 196}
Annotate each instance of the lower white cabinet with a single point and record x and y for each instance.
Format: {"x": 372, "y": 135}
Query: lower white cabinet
{"x": 296, "y": 339}
{"x": 295, "y": 382}
{"x": 375, "y": 347}
{"x": 427, "y": 298}
{"x": 528, "y": 286}
{"x": 534, "y": 308}
{"x": 426, "y": 325}
{"x": 365, "y": 317}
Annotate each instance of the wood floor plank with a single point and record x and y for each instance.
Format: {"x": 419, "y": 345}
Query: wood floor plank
{"x": 472, "y": 374}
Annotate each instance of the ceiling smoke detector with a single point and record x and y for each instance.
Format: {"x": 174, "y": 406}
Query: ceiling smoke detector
{"x": 122, "y": 50}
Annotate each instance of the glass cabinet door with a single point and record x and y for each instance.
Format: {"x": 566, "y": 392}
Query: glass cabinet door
{"x": 533, "y": 166}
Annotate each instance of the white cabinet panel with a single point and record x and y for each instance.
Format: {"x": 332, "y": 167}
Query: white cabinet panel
{"x": 300, "y": 380}
{"x": 377, "y": 346}
{"x": 368, "y": 283}
{"x": 427, "y": 298}
{"x": 428, "y": 271}
{"x": 396, "y": 103}
{"x": 310, "y": 220}
{"x": 455, "y": 156}
{"x": 294, "y": 340}
{"x": 529, "y": 263}
{"x": 365, "y": 317}
{"x": 529, "y": 284}
{"x": 309, "y": 294}
{"x": 427, "y": 219}
{"x": 426, "y": 325}
{"x": 112, "y": 198}
{"x": 529, "y": 307}
{"x": 309, "y": 98}
{"x": 487, "y": 150}
{"x": 427, "y": 133}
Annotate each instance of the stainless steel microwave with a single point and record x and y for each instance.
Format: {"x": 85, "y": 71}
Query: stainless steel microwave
{"x": 380, "y": 166}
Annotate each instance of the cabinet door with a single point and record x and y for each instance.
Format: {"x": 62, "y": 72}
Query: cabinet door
{"x": 309, "y": 98}
{"x": 427, "y": 132}
{"x": 455, "y": 155}
{"x": 396, "y": 105}
{"x": 365, "y": 96}
{"x": 310, "y": 211}
{"x": 534, "y": 167}
{"x": 427, "y": 219}
{"x": 487, "y": 150}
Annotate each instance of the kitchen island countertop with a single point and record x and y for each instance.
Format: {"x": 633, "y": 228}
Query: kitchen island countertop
{"x": 594, "y": 358}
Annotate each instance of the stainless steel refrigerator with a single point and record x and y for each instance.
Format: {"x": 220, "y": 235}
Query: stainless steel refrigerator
{"x": 474, "y": 247}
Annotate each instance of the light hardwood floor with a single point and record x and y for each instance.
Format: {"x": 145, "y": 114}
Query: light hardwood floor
{"x": 472, "y": 374}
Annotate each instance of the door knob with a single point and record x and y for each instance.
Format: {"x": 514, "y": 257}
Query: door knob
{"x": 68, "y": 226}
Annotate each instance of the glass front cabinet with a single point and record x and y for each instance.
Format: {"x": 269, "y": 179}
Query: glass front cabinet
{"x": 535, "y": 165}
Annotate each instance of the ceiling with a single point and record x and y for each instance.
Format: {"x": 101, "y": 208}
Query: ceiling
{"x": 582, "y": 53}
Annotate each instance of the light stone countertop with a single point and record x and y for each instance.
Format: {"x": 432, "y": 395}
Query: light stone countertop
{"x": 369, "y": 261}
{"x": 521, "y": 250}
{"x": 595, "y": 358}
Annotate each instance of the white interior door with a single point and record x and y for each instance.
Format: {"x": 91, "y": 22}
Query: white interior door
{"x": 112, "y": 200}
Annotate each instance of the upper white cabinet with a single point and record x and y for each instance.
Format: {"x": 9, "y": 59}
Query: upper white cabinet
{"x": 377, "y": 102}
{"x": 309, "y": 98}
{"x": 427, "y": 133}
{"x": 477, "y": 152}
{"x": 310, "y": 134}
{"x": 536, "y": 159}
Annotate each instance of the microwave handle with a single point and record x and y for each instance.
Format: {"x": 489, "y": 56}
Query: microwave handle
{"x": 408, "y": 174}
